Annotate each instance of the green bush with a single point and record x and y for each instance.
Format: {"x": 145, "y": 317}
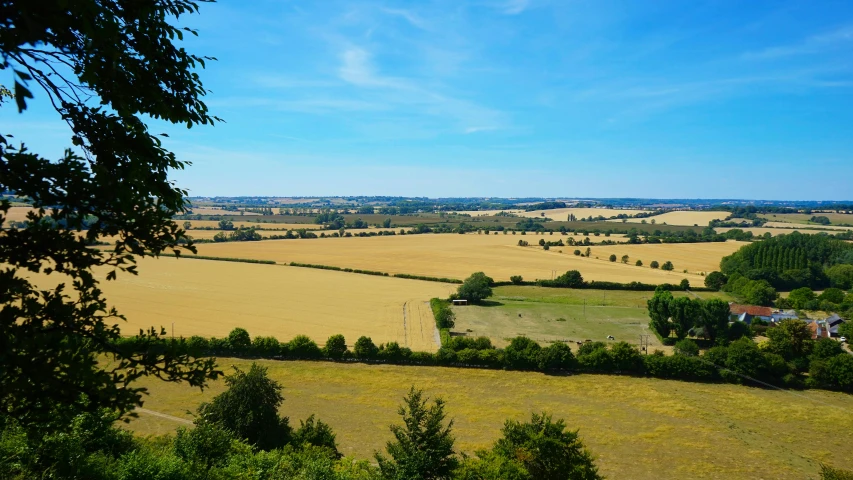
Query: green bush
{"x": 336, "y": 347}
{"x": 365, "y": 349}
{"x": 303, "y": 348}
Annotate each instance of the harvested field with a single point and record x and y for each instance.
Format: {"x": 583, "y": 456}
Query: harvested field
{"x": 210, "y": 298}
{"x": 256, "y": 224}
{"x": 801, "y": 227}
{"x": 218, "y": 211}
{"x": 688, "y": 218}
{"x": 803, "y": 218}
{"x": 486, "y": 213}
{"x": 561, "y": 214}
{"x": 638, "y": 428}
{"x": 774, "y": 231}
{"x": 18, "y": 214}
{"x": 446, "y": 255}
{"x": 693, "y": 257}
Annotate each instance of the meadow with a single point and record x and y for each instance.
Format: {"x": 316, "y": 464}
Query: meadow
{"x": 803, "y": 218}
{"x": 448, "y": 255}
{"x": 554, "y": 314}
{"x": 210, "y": 298}
{"x": 779, "y": 228}
{"x": 686, "y": 218}
{"x": 636, "y": 427}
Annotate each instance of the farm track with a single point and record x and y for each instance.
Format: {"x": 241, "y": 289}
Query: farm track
{"x": 163, "y": 415}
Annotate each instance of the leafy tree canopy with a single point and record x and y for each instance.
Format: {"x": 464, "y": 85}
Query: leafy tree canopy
{"x": 104, "y": 67}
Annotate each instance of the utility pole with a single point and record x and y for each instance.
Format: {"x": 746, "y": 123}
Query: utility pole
{"x": 173, "y": 330}
{"x": 644, "y": 344}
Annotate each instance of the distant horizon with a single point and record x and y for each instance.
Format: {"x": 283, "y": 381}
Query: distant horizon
{"x": 515, "y": 198}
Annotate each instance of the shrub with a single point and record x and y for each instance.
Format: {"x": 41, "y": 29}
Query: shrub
{"x": 336, "y": 347}
{"x": 365, "y": 348}
{"x": 626, "y": 358}
{"x": 654, "y": 264}
{"x": 557, "y": 356}
{"x": 516, "y": 279}
{"x": 612, "y": 258}
{"x": 444, "y": 316}
{"x": 667, "y": 265}
{"x": 239, "y": 341}
{"x": 302, "y": 347}
{"x": 639, "y": 263}
{"x": 687, "y": 348}
{"x": 206, "y": 445}
{"x": 522, "y": 353}
{"x": 265, "y": 346}
{"x": 316, "y": 433}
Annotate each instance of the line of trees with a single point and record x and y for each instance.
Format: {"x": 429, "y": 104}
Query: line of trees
{"x": 739, "y": 361}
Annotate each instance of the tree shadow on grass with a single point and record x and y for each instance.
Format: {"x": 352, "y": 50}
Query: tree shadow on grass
{"x": 489, "y": 303}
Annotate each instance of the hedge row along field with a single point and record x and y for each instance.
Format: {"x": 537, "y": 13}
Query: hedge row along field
{"x": 740, "y": 362}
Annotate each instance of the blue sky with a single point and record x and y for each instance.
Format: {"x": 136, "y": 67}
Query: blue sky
{"x": 603, "y": 98}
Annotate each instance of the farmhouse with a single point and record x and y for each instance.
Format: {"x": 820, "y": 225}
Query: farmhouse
{"x": 746, "y": 313}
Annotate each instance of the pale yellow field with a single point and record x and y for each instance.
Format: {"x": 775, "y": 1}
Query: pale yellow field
{"x": 694, "y": 257}
{"x": 209, "y": 234}
{"x": 18, "y": 214}
{"x": 485, "y": 213}
{"x": 687, "y": 218}
{"x": 218, "y": 211}
{"x": 801, "y": 227}
{"x": 561, "y": 214}
{"x": 454, "y": 256}
{"x": 265, "y": 226}
{"x": 758, "y": 231}
{"x": 210, "y": 298}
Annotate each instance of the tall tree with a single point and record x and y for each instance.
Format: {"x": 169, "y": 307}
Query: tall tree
{"x": 104, "y": 66}
{"x": 685, "y": 313}
{"x": 659, "y": 313}
{"x": 423, "y": 446}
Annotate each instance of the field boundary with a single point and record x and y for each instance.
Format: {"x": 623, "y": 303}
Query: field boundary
{"x": 375, "y": 273}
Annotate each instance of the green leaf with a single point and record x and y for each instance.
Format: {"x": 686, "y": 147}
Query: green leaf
{"x": 21, "y": 94}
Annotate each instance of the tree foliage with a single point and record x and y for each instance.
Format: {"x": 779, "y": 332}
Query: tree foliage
{"x": 249, "y": 409}
{"x": 423, "y": 446}
{"x": 104, "y": 67}
{"x": 475, "y": 288}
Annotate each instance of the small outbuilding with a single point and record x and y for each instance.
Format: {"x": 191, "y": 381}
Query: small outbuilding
{"x": 460, "y": 301}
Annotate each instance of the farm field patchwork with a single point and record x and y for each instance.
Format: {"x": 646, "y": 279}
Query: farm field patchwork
{"x": 447, "y": 255}
{"x": 210, "y": 298}
{"x": 555, "y": 314}
{"x": 688, "y": 218}
{"x": 693, "y": 257}
{"x": 802, "y": 226}
{"x": 256, "y": 224}
{"x": 561, "y": 214}
{"x": 639, "y": 428}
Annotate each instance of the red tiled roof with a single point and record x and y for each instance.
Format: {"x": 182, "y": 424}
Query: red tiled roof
{"x": 753, "y": 310}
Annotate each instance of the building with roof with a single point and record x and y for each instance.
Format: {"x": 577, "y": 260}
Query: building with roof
{"x": 746, "y": 313}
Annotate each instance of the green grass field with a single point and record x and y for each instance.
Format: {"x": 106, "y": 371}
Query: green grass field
{"x": 803, "y": 219}
{"x": 636, "y": 427}
{"x": 556, "y": 314}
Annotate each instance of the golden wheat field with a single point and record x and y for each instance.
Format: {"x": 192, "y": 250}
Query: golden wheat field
{"x": 210, "y": 298}
{"x": 686, "y": 218}
{"x": 246, "y": 224}
{"x": 693, "y": 257}
{"x": 218, "y": 211}
{"x": 562, "y": 214}
{"x": 637, "y": 428}
{"x": 447, "y": 255}
{"x": 801, "y": 227}
{"x": 17, "y": 214}
{"x": 758, "y": 231}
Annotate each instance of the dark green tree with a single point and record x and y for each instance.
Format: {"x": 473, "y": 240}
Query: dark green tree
{"x": 423, "y": 446}
{"x": 687, "y": 348}
{"x": 715, "y": 280}
{"x": 336, "y": 347}
{"x": 315, "y": 432}
{"x": 685, "y": 313}
{"x": 239, "y": 340}
{"x": 365, "y": 348}
{"x": 659, "y": 313}
{"x": 668, "y": 266}
{"x": 105, "y": 67}
{"x": 249, "y": 409}
{"x": 715, "y": 319}
{"x": 547, "y": 449}
{"x": 475, "y": 288}
{"x": 654, "y": 264}
{"x": 612, "y": 258}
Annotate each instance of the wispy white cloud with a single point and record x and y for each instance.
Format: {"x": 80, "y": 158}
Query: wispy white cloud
{"x": 357, "y": 69}
{"x": 514, "y": 7}
{"x": 813, "y": 45}
{"x": 410, "y": 17}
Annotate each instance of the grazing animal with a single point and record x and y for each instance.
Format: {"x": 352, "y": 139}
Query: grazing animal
{"x": 610, "y": 337}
